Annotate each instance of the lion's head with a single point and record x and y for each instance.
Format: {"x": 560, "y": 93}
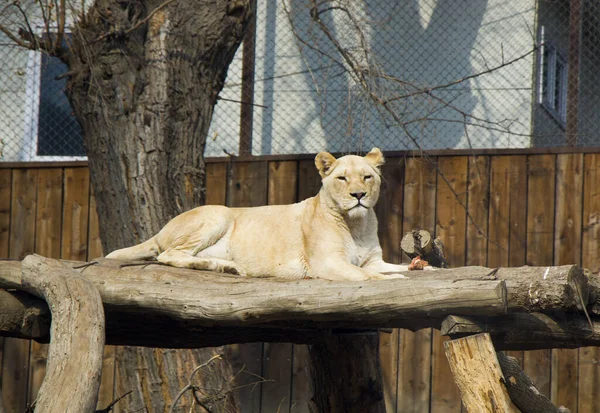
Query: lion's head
{"x": 351, "y": 183}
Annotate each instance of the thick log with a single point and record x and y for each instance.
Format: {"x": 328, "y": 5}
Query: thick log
{"x": 478, "y": 375}
{"x": 521, "y": 389}
{"x": 529, "y": 289}
{"x": 420, "y": 243}
{"x": 204, "y": 299}
{"x": 23, "y": 315}
{"x": 528, "y": 331}
{"x": 75, "y": 353}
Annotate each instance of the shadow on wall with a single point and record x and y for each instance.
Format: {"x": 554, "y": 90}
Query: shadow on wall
{"x": 422, "y": 44}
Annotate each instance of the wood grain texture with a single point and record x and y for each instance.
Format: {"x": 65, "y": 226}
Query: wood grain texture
{"x": 508, "y": 216}
{"x": 5, "y": 202}
{"x": 451, "y": 228}
{"x": 389, "y": 210}
{"x": 567, "y": 250}
{"x": 247, "y": 187}
{"x": 277, "y": 357}
{"x": 476, "y": 371}
{"x": 21, "y": 243}
{"x": 540, "y": 248}
{"x": 478, "y": 188}
{"x": 47, "y": 243}
{"x": 106, "y": 393}
{"x": 216, "y": 183}
{"x": 76, "y": 198}
{"x": 588, "y": 398}
{"x": 77, "y": 336}
{"x": 414, "y": 356}
{"x": 309, "y": 184}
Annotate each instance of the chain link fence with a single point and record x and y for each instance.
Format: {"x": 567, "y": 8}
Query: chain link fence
{"x": 347, "y": 75}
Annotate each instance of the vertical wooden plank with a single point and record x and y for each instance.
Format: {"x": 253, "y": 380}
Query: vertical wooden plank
{"x": 277, "y": 357}
{"x": 47, "y": 243}
{"x": 451, "y": 228}
{"x": 414, "y": 353}
{"x": 15, "y": 370}
{"x": 75, "y": 213}
{"x": 5, "y": 201}
{"x": 216, "y": 183}
{"x": 508, "y": 216}
{"x": 588, "y": 399}
{"x": 518, "y": 211}
{"x": 499, "y": 212}
{"x": 248, "y": 187}
{"x": 567, "y": 250}
{"x": 478, "y": 188}
{"x": 309, "y": 183}
{"x": 389, "y": 215}
{"x": 540, "y": 248}
{"x": 309, "y": 180}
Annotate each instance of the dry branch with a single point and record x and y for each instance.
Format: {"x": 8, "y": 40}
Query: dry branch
{"x": 75, "y": 355}
{"x": 478, "y": 375}
{"x": 521, "y": 389}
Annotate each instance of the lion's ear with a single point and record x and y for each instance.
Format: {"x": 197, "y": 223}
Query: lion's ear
{"x": 375, "y": 157}
{"x": 324, "y": 161}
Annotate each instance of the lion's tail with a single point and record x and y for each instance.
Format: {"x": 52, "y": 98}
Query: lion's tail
{"x": 145, "y": 250}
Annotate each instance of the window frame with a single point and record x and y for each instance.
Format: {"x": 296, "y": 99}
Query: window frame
{"x": 32, "y": 110}
{"x": 550, "y": 60}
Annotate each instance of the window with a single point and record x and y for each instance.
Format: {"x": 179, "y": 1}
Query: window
{"x": 553, "y": 83}
{"x": 52, "y": 132}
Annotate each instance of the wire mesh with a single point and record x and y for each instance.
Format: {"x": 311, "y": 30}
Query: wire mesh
{"x": 347, "y": 75}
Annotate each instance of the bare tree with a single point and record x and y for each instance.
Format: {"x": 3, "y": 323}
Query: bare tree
{"x": 143, "y": 78}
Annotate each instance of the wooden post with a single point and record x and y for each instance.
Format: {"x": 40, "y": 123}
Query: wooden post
{"x": 478, "y": 375}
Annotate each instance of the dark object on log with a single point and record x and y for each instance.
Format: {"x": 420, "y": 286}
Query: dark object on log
{"x": 521, "y": 389}
{"x": 75, "y": 355}
{"x": 419, "y": 243}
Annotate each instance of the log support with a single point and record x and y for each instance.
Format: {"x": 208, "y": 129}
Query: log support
{"x": 478, "y": 375}
{"x": 74, "y": 365}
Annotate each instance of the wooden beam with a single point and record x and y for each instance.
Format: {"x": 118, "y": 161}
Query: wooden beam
{"x": 528, "y": 331}
{"x": 75, "y": 355}
{"x": 478, "y": 375}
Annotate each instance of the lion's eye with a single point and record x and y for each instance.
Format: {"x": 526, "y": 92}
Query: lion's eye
{"x": 367, "y": 177}
{"x": 341, "y": 178}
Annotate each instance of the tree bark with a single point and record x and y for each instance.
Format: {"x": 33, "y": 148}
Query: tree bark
{"x": 195, "y": 308}
{"x": 478, "y": 375}
{"x": 523, "y": 393}
{"x": 144, "y": 78}
{"x": 529, "y": 331}
{"x": 75, "y": 354}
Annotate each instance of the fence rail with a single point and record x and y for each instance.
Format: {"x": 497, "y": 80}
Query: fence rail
{"x": 494, "y": 210}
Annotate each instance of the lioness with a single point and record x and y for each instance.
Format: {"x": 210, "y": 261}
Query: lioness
{"x": 332, "y": 235}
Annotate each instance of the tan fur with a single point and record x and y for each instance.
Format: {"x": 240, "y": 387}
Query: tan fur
{"x": 328, "y": 236}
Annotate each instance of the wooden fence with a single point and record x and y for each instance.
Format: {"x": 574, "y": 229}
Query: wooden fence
{"x": 493, "y": 210}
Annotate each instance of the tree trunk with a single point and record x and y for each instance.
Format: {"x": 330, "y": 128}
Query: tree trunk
{"x": 346, "y": 375}
{"x": 144, "y": 78}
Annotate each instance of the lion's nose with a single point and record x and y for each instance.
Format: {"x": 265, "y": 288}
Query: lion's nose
{"x": 358, "y": 195}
